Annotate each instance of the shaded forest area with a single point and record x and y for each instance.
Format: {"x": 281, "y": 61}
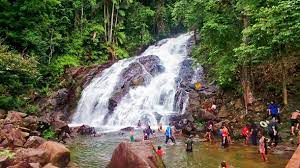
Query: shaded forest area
{"x": 247, "y": 46}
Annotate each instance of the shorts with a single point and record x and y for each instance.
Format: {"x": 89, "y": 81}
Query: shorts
{"x": 294, "y": 121}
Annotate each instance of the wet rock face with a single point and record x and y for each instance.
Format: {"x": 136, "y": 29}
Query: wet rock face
{"x": 136, "y": 74}
{"x": 86, "y": 130}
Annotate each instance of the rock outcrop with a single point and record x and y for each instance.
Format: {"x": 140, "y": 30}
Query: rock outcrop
{"x": 58, "y": 154}
{"x": 135, "y": 155}
{"x": 137, "y": 73}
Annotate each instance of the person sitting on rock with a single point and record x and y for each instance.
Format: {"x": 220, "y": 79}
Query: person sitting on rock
{"x": 169, "y": 134}
{"x": 160, "y": 152}
{"x": 294, "y": 121}
{"x": 189, "y": 144}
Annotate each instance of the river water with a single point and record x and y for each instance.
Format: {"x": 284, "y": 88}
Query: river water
{"x": 95, "y": 152}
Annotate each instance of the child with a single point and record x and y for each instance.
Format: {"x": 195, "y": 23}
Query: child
{"x": 224, "y": 132}
{"x": 189, "y": 144}
{"x": 246, "y": 134}
{"x": 131, "y": 135}
{"x": 159, "y": 151}
{"x": 263, "y": 147}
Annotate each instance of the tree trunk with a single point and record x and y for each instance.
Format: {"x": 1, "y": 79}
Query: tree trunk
{"x": 111, "y": 22}
{"x": 104, "y": 16}
{"x": 116, "y": 22}
{"x": 284, "y": 82}
{"x": 245, "y": 80}
{"x": 81, "y": 19}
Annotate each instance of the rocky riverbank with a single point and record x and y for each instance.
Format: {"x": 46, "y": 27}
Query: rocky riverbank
{"x": 27, "y": 141}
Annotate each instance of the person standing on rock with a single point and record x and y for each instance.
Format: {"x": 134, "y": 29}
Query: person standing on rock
{"x": 274, "y": 111}
{"x": 169, "y": 134}
{"x": 294, "y": 121}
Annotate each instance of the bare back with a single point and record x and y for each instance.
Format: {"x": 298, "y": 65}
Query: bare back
{"x": 295, "y": 115}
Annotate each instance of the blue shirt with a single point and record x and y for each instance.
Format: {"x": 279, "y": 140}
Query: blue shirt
{"x": 169, "y": 131}
{"x": 273, "y": 108}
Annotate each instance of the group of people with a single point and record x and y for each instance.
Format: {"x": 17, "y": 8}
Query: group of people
{"x": 251, "y": 133}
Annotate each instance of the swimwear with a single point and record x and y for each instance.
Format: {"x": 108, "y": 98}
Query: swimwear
{"x": 294, "y": 121}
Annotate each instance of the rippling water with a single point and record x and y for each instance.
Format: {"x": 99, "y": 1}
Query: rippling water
{"x": 95, "y": 152}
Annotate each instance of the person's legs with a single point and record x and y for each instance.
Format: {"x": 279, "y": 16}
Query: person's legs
{"x": 292, "y": 127}
{"x": 172, "y": 139}
{"x": 167, "y": 139}
{"x": 263, "y": 156}
{"x": 276, "y": 138}
{"x": 278, "y": 118}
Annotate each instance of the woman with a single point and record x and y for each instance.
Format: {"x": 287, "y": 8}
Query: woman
{"x": 263, "y": 147}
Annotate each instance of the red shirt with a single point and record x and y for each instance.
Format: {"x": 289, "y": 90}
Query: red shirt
{"x": 160, "y": 152}
{"x": 245, "y": 131}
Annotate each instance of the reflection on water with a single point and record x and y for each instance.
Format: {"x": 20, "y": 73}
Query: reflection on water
{"x": 92, "y": 152}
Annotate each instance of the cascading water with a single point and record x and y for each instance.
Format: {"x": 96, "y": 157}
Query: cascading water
{"x": 151, "y": 102}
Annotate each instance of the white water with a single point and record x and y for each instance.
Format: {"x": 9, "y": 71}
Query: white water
{"x": 141, "y": 103}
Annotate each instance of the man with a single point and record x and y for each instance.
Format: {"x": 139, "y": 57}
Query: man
{"x": 294, "y": 121}
{"x": 169, "y": 134}
{"x": 274, "y": 111}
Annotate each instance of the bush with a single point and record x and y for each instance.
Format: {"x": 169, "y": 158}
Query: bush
{"x": 7, "y": 153}
{"x": 31, "y": 109}
{"x": 9, "y": 102}
{"x": 48, "y": 134}
{"x": 67, "y": 61}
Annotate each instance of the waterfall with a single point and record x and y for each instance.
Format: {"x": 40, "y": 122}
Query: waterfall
{"x": 152, "y": 102}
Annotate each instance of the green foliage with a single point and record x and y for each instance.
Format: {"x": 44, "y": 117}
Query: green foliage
{"x": 10, "y": 102}
{"x": 31, "y": 109}
{"x": 60, "y": 64}
{"x": 7, "y": 153}
{"x": 48, "y": 134}
{"x": 236, "y": 34}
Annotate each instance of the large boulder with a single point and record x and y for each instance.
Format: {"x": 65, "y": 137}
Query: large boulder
{"x": 86, "y": 130}
{"x": 34, "y": 142}
{"x": 59, "y": 155}
{"x": 135, "y": 155}
{"x": 15, "y": 117}
{"x": 30, "y": 155}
